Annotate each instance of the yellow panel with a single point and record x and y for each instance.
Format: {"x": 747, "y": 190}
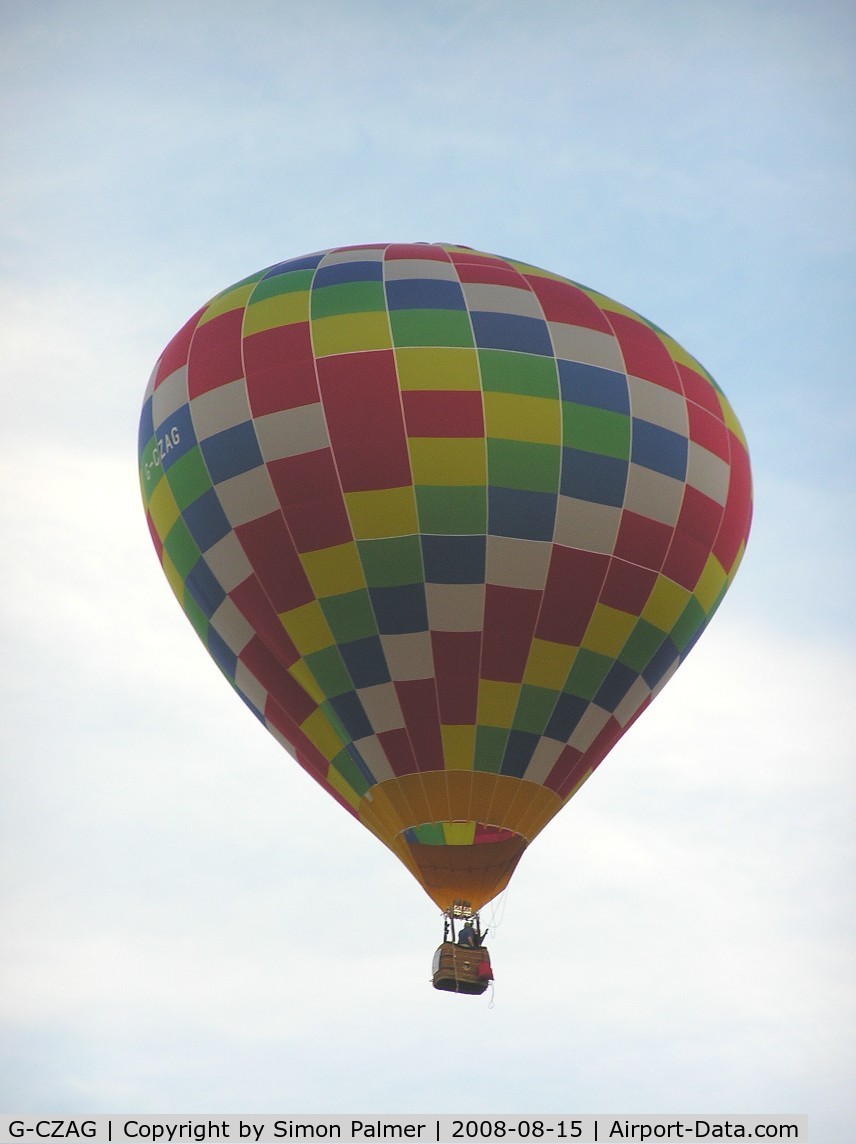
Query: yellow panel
{"x": 382, "y": 512}
{"x": 548, "y": 664}
{"x": 459, "y": 833}
{"x": 437, "y": 367}
{"x": 579, "y": 784}
{"x": 307, "y": 681}
{"x": 163, "y": 509}
{"x": 279, "y": 310}
{"x": 231, "y": 300}
{"x": 448, "y": 460}
{"x": 321, "y": 732}
{"x": 711, "y": 583}
{"x": 608, "y": 630}
{"x": 680, "y": 355}
{"x": 344, "y": 788}
{"x": 611, "y": 305}
{"x": 459, "y": 742}
{"x": 665, "y": 604}
{"x": 497, "y": 703}
{"x": 334, "y": 571}
{"x": 307, "y": 628}
{"x": 731, "y": 419}
{"x": 519, "y": 418}
{"x": 543, "y": 805}
{"x": 349, "y": 333}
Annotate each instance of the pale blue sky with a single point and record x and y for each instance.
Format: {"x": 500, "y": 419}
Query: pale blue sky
{"x": 170, "y": 881}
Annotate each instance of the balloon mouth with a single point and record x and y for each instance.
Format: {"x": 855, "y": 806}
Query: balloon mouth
{"x": 461, "y": 862}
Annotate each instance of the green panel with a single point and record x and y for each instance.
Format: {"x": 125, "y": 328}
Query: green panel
{"x": 596, "y": 430}
{"x": 505, "y": 371}
{"x": 329, "y": 671}
{"x": 347, "y": 298}
{"x": 431, "y": 328}
{"x": 692, "y": 618}
{"x": 196, "y": 616}
{"x": 350, "y": 615}
{"x": 188, "y": 478}
{"x": 641, "y": 645}
{"x": 291, "y": 283}
{"x": 182, "y": 548}
{"x": 534, "y": 708}
{"x": 587, "y": 673}
{"x": 350, "y": 772}
{"x": 452, "y": 509}
{"x": 430, "y": 834}
{"x": 523, "y": 465}
{"x": 490, "y": 747}
{"x": 391, "y": 561}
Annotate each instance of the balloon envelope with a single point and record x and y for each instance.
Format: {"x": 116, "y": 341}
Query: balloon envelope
{"x": 447, "y": 522}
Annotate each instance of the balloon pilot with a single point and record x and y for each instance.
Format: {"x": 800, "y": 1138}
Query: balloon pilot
{"x": 462, "y": 963}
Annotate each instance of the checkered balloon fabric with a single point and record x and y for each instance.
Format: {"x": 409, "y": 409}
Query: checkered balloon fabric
{"x": 447, "y": 523}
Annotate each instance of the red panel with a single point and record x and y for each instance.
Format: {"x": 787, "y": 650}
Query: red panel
{"x": 490, "y": 274}
{"x": 699, "y": 390}
{"x": 562, "y": 302}
{"x": 456, "y": 667}
{"x": 567, "y": 771}
{"x": 250, "y": 600}
{"x": 274, "y": 677}
{"x": 305, "y": 477}
{"x": 700, "y": 517}
{"x": 364, "y": 418}
{"x": 418, "y": 699}
{"x": 707, "y": 431}
{"x": 175, "y": 354}
{"x": 686, "y": 560}
{"x": 642, "y": 540}
{"x": 274, "y": 560}
{"x": 644, "y": 354}
{"x": 605, "y": 741}
{"x": 443, "y": 413}
{"x": 510, "y": 615}
{"x": 627, "y": 586}
{"x": 215, "y": 354}
{"x": 280, "y": 369}
{"x": 738, "y": 507}
{"x": 399, "y": 752}
{"x": 420, "y": 250}
{"x": 320, "y": 523}
{"x": 574, "y": 583}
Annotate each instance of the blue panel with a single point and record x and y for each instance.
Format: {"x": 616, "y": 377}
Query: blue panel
{"x": 660, "y": 662}
{"x": 518, "y": 752}
{"x": 591, "y": 385}
{"x": 511, "y": 332}
{"x": 307, "y": 263}
{"x": 206, "y": 522}
{"x": 231, "y": 452}
{"x": 365, "y": 661}
{"x": 222, "y": 654}
{"x": 360, "y": 763}
{"x": 147, "y": 429}
{"x": 424, "y": 294}
{"x": 204, "y": 588}
{"x": 400, "y": 609}
{"x": 659, "y": 449}
{"x": 351, "y": 714}
{"x": 175, "y": 436}
{"x": 566, "y": 715}
{"x": 591, "y": 477}
{"x": 337, "y": 272}
{"x": 619, "y": 679}
{"x": 453, "y": 559}
{"x": 520, "y": 513}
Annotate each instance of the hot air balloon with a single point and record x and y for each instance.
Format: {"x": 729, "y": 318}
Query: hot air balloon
{"x": 447, "y": 523}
